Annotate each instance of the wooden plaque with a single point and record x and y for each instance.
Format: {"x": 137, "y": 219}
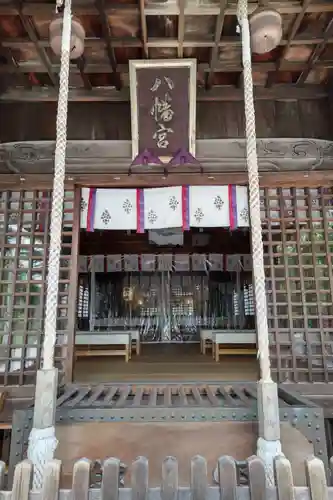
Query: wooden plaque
{"x": 163, "y": 106}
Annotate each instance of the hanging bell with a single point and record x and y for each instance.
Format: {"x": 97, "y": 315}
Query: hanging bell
{"x": 77, "y": 37}
{"x": 266, "y": 30}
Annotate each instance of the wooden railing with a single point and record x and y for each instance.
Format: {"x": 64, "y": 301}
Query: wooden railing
{"x": 229, "y": 487}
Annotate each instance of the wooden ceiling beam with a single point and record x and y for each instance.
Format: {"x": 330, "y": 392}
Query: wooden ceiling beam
{"x": 106, "y": 29}
{"x": 91, "y": 42}
{"x": 153, "y": 42}
{"x": 223, "y": 93}
{"x": 217, "y": 39}
{"x": 13, "y": 65}
{"x": 316, "y": 53}
{"x": 80, "y": 64}
{"x": 29, "y": 181}
{"x": 264, "y": 67}
{"x": 284, "y": 7}
{"x": 88, "y": 7}
{"x": 181, "y": 28}
{"x": 144, "y": 29}
{"x": 30, "y": 28}
{"x": 295, "y": 27}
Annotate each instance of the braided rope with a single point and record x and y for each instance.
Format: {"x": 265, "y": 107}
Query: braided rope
{"x": 266, "y": 450}
{"x": 43, "y": 441}
{"x": 254, "y": 198}
{"x": 58, "y": 196}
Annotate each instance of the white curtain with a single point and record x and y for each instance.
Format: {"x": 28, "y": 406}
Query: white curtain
{"x": 209, "y": 206}
{"x": 163, "y": 208}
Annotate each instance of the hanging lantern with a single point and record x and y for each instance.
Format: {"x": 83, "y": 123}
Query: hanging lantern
{"x": 77, "y": 37}
{"x": 266, "y": 30}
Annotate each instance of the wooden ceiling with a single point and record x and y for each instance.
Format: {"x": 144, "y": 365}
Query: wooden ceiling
{"x": 161, "y": 29}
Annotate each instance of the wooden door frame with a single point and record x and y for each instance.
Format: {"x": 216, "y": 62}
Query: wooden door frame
{"x": 278, "y": 179}
{"x": 73, "y": 288}
{"x": 293, "y": 178}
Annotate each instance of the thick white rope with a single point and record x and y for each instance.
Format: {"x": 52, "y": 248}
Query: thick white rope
{"x": 43, "y": 442}
{"x": 266, "y": 450}
{"x": 254, "y": 198}
{"x": 42, "y": 445}
{"x": 58, "y": 196}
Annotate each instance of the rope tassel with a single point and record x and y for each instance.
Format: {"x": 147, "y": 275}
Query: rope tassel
{"x": 42, "y": 445}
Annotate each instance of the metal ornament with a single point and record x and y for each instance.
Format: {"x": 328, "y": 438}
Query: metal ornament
{"x": 266, "y": 30}
{"x": 77, "y": 37}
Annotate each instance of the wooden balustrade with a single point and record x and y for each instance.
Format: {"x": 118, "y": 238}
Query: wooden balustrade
{"x": 233, "y": 485}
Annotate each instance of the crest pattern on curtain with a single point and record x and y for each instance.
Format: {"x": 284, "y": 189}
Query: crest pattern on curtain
{"x": 164, "y": 208}
{"x": 209, "y": 206}
{"x": 115, "y": 209}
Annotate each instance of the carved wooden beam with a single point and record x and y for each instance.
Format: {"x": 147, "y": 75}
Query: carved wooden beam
{"x": 217, "y": 38}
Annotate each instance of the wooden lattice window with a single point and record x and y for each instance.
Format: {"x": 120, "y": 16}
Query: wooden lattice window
{"x": 24, "y": 231}
{"x": 298, "y": 250}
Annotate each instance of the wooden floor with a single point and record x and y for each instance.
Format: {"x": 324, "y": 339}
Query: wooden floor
{"x": 163, "y": 363}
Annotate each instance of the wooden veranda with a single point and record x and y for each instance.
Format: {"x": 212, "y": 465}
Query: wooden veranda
{"x": 167, "y": 363}
{"x": 177, "y": 419}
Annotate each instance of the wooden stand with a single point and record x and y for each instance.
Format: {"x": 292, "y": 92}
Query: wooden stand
{"x": 104, "y": 339}
{"x": 135, "y": 341}
{"x": 205, "y": 340}
{"x": 221, "y": 339}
